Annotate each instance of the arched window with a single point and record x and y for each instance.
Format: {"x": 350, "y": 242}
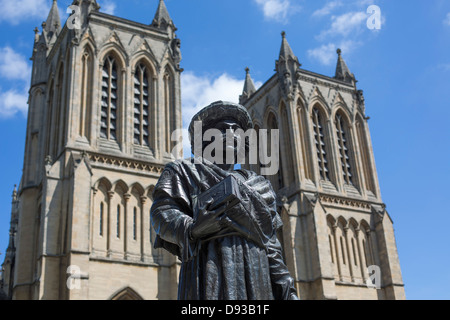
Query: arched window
{"x": 169, "y": 107}
{"x": 365, "y": 155}
{"x": 118, "y": 222}
{"x": 102, "y": 209}
{"x": 319, "y": 138}
{"x": 109, "y": 104}
{"x": 304, "y": 137}
{"x": 276, "y": 180}
{"x": 141, "y": 105}
{"x": 134, "y": 223}
{"x": 57, "y": 134}
{"x": 343, "y": 145}
{"x": 86, "y": 92}
{"x": 100, "y": 218}
{"x": 289, "y": 149}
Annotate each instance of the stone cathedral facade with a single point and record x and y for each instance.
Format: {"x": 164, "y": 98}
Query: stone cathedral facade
{"x": 335, "y": 223}
{"x": 104, "y": 101}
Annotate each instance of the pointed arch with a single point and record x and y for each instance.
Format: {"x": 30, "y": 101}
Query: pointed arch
{"x": 320, "y": 133}
{"x": 365, "y": 242}
{"x": 169, "y": 105}
{"x": 112, "y": 83}
{"x": 272, "y": 123}
{"x": 364, "y": 151}
{"x": 288, "y": 156}
{"x": 331, "y": 223}
{"x": 121, "y": 185}
{"x": 138, "y": 188}
{"x": 57, "y": 106}
{"x": 144, "y": 94}
{"x": 318, "y": 98}
{"x": 86, "y": 84}
{"x": 342, "y": 125}
{"x": 49, "y": 115}
{"x": 103, "y": 181}
{"x": 306, "y": 147}
{"x": 126, "y": 294}
{"x": 116, "y": 49}
{"x": 149, "y": 192}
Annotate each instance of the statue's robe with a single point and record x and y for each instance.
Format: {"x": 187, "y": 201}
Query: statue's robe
{"x": 227, "y": 265}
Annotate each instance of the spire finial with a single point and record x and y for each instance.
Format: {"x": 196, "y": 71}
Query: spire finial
{"x": 283, "y": 34}
{"x": 14, "y": 194}
{"x": 247, "y": 70}
{"x": 162, "y": 17}
{"x": 342, "y": 71}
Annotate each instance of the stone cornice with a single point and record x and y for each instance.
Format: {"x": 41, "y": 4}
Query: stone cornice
{"x": 114, "y": 162}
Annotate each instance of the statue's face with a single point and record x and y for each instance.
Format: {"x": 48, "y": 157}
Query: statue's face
{"x": 228, "y": 144}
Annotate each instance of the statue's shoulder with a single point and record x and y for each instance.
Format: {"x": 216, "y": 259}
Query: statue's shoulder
{"x": 180, "y": 165}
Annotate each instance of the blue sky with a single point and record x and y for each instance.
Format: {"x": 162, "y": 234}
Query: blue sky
{"x": 403, "y": 68}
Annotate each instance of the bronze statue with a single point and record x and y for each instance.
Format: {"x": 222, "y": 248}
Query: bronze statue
{"x": 221, "y": 222}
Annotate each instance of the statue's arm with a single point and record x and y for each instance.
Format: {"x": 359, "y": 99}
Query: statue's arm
{"x": 282, "y": 282}
{"x": 171, "y": 215}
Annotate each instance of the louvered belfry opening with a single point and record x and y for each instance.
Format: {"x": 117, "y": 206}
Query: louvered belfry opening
{"x": 141, "y": 106}
{"x": 319, "y": 139}
{"x": 109, "y": 99}
{"x": 344, "y": 153}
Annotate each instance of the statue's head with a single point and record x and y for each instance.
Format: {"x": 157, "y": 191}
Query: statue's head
{"x": 220, "y": 116}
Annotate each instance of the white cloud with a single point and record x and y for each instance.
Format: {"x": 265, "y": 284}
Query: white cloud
{"x": 277, "y": 10}
{"x": 198, "y": 92}
{"x": 108, "y": 7}
{"x": 346, "y": 24}
{"x": 327, "y": 9}
{"x": 326, "y": 54}
{"x": 447, "y": 19}
{"x": 13, "y": 65}
{"x": 17, "y": 11}
{"x": 12, "y": 102}
{"x": 15, "y": 68}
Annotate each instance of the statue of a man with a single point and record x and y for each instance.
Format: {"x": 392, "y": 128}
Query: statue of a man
{"x": 229, "y": 251}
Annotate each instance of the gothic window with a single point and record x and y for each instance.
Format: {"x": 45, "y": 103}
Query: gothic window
{"x": 86, "y": 91}
{"x": 277, "y": 179}
{"x": 304, "y": 136}
{"x": 134, "y": 223}
{"x": 109, "y": 103}
{"x": 365, "y": 155}
{"x": 102, "y": 209}
{"x": 331, "y": 249}
{"x": 100, "y": 218}
{"x": 141, "y": 105}
{"x": 319, "y": 139}
{"x": 288, "y": 147}
{"x": 169, "y": 107}
{"x": 57, "y": 113}
{"x": 343, "y": 145}
{"x": 118, "y": 223}
{"x": 50, "y": 121}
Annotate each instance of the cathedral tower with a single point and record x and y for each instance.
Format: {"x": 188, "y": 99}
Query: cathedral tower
{"x": 104, "y": 101}
{"x": 337, "y": 234}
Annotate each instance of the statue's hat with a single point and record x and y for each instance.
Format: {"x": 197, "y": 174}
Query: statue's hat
{"x": 218, "y": 111}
